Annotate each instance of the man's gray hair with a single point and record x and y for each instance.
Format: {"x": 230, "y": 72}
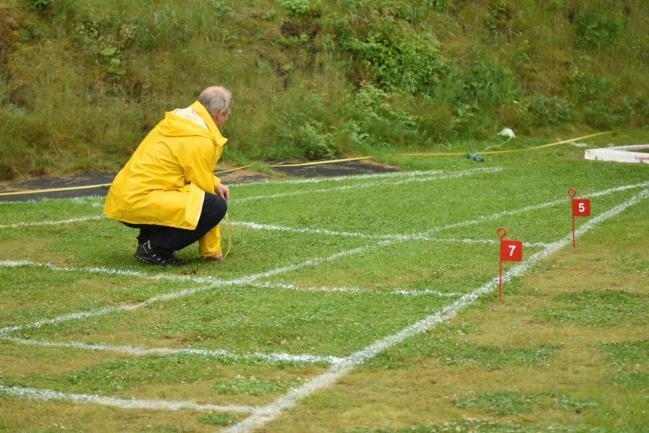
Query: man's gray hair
{"x": 216, "y": 99}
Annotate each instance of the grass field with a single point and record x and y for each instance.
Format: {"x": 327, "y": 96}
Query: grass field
{"x": 363, "y": 304}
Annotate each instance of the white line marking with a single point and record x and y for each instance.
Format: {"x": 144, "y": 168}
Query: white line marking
{"x": 373, "y": 184}
{"x": 425, "y": 292}
{"x": 340, "y": 178}
{"x": 121, "y": 403}
{"x": 397, "y": 237}
{"x": 165, "y": 351}
{"x": 262, "y": 415}
{"x": 101, "y": 311}
{"x": 113, "y": 271}
{"x": 220, "y": 283}
{"x": 187, "y": 292}
{"x": 498, "y": 215}
{"x": 414, "y": 236}
{"x": 395, "y": 291}
{"x": 312, "y": 262}
{"x": 51, "y": 223}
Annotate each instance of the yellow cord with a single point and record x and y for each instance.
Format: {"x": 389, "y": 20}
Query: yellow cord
{"x": 330, "y": 161}
{"x": 493, "y": 152}
{"x": 67, "y": 188}
{"x": 228, "y": 229}
{"x": 233, "y": 169}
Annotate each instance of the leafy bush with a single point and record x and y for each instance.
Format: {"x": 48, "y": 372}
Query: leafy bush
{"x": 297, "y": 7}
{"x": 378, "y": 122}
{"x": 39, "y": 5}
{"x": 316, "y": 143}
{"x": 499, "y": 18}
{"x": 596, "y": 29}
{"x": 549, "y": 110}
{"x": 397, "y": 61}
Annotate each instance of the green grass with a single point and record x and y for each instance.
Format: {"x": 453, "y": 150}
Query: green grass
{"x": 599, "y": 308}
{"x": 292, "y": 312}
{"x": 217, "y": 419}
{"x": 515, "y": 402}
{"x": 630, "y": 352}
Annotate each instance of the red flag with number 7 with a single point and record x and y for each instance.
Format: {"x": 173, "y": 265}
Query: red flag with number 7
{"x": 511, "y": 251}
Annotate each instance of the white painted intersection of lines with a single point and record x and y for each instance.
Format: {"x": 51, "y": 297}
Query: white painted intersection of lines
{"x": 408, "y": 177}
{"x": 263, "y": 415}
{"x": 436, "y": 175}
{"x": 220, "y": 282}
{"x": 312, "y": 262}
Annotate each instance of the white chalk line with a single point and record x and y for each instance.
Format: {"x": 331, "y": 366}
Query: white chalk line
{"x": 340, "y": 178}
{"x": 424, "y": 236}
{"x": 120, "y": 403}
{"x": 413, "y": 177}
{"x": 265, "y": 414}
{"x": 397, "y": 237}
{"x": 391, "y": 291}
{"x": 51, "y": 223}
{"x": 167, "y": 351}
{"x": 312, "y": 262}
{"x": 440, "y": 176}
{"x": 114, "y": 272}
{"x": 187, "y": 292}
{"x": 221, "y": 283}
{"x": 548, "y": 204}
{"x": 300, "y": 230}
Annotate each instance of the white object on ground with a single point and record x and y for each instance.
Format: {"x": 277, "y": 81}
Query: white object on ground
{"x": 508, "y": 133}
{"x": 629, "y": 154}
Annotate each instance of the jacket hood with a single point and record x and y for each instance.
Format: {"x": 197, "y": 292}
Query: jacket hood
{"x": 176, "y": 126}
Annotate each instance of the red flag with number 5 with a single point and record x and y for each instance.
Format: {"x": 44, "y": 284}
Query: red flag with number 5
{"x": 511, "y": 251}
{"x": 581, "y": 207}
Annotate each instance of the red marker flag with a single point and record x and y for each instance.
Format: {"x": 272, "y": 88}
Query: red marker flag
{"x": 510, "y": 251}
{"x": 580, "y": 208}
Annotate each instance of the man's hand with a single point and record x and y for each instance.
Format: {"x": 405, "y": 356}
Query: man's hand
{"x": 223, "y": 191}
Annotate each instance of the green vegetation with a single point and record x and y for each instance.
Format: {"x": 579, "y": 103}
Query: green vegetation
{"x": 252, "y": 386}
{"x": 513, "y": 402}
{"x": 82, "y": 81}
{"x": 564, "y": 351}
{"x": 452, "y": 351}
{"x": 599, "y": 308}
{"x": 468, "y": 426}
{"x": 630, "y": 352}
{"x": 217, "y": 419}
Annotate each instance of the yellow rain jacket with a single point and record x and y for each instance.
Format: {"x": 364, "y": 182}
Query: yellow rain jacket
{"x": 164, "y": 181}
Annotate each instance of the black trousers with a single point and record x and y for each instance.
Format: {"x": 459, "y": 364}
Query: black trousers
{"x": 166, "y": 240}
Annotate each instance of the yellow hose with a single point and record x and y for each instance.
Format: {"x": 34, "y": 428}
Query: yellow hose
{"x": 329, "y": 161}
{"x": 67, "y": 188}
{"x": 493, "y": 152}
{"x": 228, "y": 229}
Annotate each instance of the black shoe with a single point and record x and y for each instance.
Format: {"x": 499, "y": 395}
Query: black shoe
{"x": 145, "y": 253}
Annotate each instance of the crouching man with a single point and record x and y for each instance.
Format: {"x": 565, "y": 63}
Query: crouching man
{"x": 168, "y": 190}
